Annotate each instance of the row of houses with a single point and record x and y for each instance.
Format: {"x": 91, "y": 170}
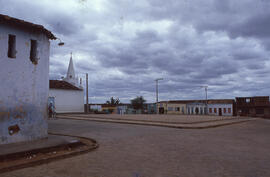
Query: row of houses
{"x": 113, "y": 109}
{"x": 258, "y": 106}
{"x": 214, "y": 107}
{"x": 149, "y": 108}
{"x": 221, "y": 107}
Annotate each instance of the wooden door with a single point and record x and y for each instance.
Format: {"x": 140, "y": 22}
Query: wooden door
{"x": 220, "y": 111}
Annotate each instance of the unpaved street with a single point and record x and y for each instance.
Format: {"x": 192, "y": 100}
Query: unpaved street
{"x": 145, "y": 151}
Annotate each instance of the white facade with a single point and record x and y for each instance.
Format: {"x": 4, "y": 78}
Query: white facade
{"x": 67, "y": 100}
{"x": 24, "y": 85}
{"x": 96, "y": 107}
{"x": 122, "y": 109}
{"x": 220, "y": 109}
{"x": 196, "y": 108}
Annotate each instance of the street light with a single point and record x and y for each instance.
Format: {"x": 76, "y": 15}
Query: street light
{"x": 60, "y": 43}
{"x": 205, "y": 87}
{"x": 87, "y": 104}
{"x": 158, "y": 79}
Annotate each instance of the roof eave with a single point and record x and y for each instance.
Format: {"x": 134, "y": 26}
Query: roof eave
{"x": 17, "y": 22}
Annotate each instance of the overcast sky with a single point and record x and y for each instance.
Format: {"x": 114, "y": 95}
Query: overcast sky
{"x": 125, "y": 45}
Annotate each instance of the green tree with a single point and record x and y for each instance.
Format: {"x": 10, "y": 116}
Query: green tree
{"x": 138, "y": 102}
{"x": 113, "y": 101}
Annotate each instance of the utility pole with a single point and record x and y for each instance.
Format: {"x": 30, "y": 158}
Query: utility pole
{"x": 206, "y": 103}
{"x": 158, "y": 79}
{"x": 87, "y": 106}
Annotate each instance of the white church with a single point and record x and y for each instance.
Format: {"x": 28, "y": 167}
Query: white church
{"x": 67, "y": 95}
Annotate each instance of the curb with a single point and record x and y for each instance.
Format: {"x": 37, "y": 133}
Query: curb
{"x": 158, "y": 125}
{"x": 113, "y": 119}
{"x": 48, "y": 150}
{"x": 25, "y": 154}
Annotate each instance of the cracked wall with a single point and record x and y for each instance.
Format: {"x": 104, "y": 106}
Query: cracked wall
{"x": 24, "y": 87}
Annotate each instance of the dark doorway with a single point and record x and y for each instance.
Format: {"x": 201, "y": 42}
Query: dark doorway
{"x": 161, "y": 110}
{"x": 219, "y": 111}
{"x": 197, "y": 110}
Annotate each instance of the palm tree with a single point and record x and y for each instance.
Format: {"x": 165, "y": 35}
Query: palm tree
{"x": 138, "y": 102}
{"x": 113, "y": 101}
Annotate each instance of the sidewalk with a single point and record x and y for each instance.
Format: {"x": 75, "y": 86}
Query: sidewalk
{"x": 19, "y": 155}
{"x": 198, "y": 122}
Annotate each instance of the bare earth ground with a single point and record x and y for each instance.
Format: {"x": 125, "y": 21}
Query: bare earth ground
{"x": 240, "y": 150}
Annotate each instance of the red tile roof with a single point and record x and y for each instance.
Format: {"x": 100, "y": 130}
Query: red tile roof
{"x": 26, "y": 25}
{"x": 58, "y": 84}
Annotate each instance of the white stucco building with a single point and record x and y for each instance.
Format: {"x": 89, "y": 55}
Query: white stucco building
{"x": 24, "y": 75}
{"x": 67, "y": 95}
{"x": 196, "y": 107}
{"x": 96, "y": 107}
{"x": 220, "y": 107}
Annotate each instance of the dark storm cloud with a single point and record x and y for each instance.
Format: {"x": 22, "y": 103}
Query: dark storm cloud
{"x": 246, "y": 55}
{"x": 256, "y": 26}
{"x": 256, "y": 66}
{"x": 82, "y": 67}
{"x": 237, "y": 18}
{"x": 134, "y": 54}
{"x": 64, "y": 24}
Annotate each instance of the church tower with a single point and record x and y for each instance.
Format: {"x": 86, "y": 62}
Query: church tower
{"x": 70, "y": 77}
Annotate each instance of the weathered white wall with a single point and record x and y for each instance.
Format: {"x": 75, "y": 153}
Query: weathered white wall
{"x": 162, "y": 105}
{"x": 172, "y": 108}
{"x": 191, "y": 108}
{"x": 96, "y": 107}
{"x": 220, "y": 106}
{"x": 24, "y": 87}
{"x": 68, "y": 100}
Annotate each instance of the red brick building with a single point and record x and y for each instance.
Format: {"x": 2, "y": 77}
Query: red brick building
{"x": 258, "y": 106}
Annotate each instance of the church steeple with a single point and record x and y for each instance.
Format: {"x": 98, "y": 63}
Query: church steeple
{"x": 71, "y": 71}
{"x": 70, "y": 77}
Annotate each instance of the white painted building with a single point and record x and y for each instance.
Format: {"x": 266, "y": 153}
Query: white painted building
{"x": 24, "y": 75}
{"x": 220, "y": 107}
{"x": 122, "y": 109}
{"x": 196, "y": 108}
{"x": 67, "y": 95}
{"x": 96, "y": 107}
